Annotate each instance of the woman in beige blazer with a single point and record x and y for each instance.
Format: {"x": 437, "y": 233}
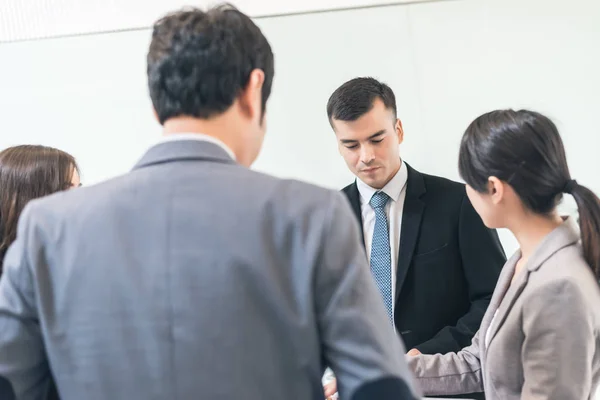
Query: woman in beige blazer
{"x": 540, "y": 336}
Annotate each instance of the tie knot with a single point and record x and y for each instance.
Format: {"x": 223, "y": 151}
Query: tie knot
{"x": 379, "y": 200}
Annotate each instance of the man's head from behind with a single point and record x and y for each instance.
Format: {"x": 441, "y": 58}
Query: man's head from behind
{"x": 362, "y": 112}
{"x": 213, "y": 66}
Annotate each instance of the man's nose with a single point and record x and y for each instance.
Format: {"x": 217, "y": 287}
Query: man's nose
{"x": 366, "y": 155}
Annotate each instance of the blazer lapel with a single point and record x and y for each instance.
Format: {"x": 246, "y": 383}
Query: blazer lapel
{"x": 411, "y": 223}
{"x": 511, "y": 295}
{"x": 563, "y": 236}
{"x": 353, "y": 196}
{"x": 502, "y": 287}
{"x": 500, "y": 292}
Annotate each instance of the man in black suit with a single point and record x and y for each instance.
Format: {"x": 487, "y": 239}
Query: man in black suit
{"x": 434, "y": 261}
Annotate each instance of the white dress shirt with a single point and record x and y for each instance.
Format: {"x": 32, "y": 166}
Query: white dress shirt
{"x": 396, "y": 190}
{"x": 197, "y": 136}
{"x": 489, "y": 329}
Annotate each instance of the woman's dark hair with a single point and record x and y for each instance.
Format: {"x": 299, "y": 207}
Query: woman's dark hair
{"x": 524, "y": 149}
{"x": 28, "y": 172}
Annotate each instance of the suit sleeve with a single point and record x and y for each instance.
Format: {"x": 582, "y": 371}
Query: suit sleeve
{"x": 357, "y": 339}
{"x": 482, "y": 260}
{"x": 450, "y": 373}
{"x": 559, "y": 346}
{"x": 23, "y": 366}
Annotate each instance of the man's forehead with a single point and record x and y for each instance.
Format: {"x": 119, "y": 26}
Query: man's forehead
{"x": 361, "y": 129}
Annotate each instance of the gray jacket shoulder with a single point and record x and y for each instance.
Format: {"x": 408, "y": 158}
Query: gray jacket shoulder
{"x": 287, "y": 199}
{"x": 567, "y": 269}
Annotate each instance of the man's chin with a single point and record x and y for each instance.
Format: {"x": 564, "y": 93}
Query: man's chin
{"x": 373, "y": 182}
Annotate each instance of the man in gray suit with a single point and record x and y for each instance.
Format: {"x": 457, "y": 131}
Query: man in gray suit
{"x": 193, "y": 277}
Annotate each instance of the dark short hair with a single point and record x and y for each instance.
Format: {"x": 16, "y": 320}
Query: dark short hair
{"x": 356, "y": 97}
{"x": 26, "y": 173}
{"x": 524, "y": 149}
{"x": 199, "y": 62}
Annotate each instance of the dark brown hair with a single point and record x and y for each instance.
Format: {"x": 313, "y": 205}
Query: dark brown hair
{"x": 356, "y": 97}
{"x": 26, "y": 173}
{"x": 199, "y": 62}
{"x": 524, "y": 149}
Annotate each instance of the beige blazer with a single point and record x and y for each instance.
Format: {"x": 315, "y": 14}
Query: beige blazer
{"x": 544, "y": 340}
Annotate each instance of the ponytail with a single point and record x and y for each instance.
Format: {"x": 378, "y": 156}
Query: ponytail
{"x": 588, "y": 205}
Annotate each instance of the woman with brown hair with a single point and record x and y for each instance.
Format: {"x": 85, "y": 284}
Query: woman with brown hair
{"x": 26, "y": 173}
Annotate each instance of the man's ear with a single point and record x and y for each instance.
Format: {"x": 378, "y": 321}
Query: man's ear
{"x": 399, "y": 130}
{"x": 250, "y": 99}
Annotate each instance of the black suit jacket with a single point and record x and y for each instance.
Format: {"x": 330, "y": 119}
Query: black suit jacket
{"x": 448, "y": 264}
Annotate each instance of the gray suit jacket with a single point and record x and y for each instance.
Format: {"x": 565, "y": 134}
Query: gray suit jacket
{"x": 192, "y": 277}
{"x": 544, "y": 341}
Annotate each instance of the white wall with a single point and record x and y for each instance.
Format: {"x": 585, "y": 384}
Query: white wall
{"x": 448, "y": 62}
{"x": 31, "y": 19}
{"x": 85, "y": 95}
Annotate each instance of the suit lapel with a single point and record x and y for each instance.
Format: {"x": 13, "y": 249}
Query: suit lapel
{"x": 411, "y": 223}
{"x": 507, "y": 295}
{"x": 502, "y": 287}
{"x": 353, "y": 196}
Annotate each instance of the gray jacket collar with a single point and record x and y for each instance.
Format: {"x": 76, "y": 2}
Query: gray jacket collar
{"x": 565, "y": 235}
{"x": 183, "y": 150}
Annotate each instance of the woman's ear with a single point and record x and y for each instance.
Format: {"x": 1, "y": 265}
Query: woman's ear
{"x": 496, "y": 189}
